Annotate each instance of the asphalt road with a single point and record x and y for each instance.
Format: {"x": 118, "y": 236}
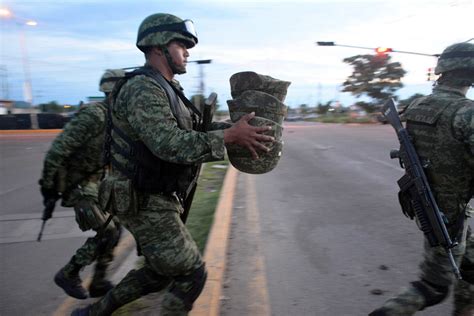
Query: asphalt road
{"x": 28, "y": 267}
{"x": 322, "y": 234}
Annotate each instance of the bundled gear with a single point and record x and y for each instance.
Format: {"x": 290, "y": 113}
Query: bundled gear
{"x": 263, "y": 95}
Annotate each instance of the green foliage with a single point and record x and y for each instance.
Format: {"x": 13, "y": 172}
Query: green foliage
{"x": 55, "y": 107}
{"x": 323, "y": 108}
{"x": 304, "y": 108}
{"x": 374, "y": 76}
{"x": 367, "y": 107}
{"x": 342, "y": 118}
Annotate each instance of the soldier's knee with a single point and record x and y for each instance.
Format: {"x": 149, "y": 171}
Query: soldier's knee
{"x": 147, "y": 281}
{"x": 467, "y": 273}
{"x": 196, "y": 279}
{"x": 432, "y": 293}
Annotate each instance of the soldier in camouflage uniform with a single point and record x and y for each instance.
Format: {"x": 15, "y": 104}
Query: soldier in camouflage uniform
{"x": 72, "y": 169}
{"x": 442, "y": 128}
{"x": 154, "y": 148}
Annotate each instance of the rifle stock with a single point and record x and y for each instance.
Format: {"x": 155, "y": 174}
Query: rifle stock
{"x": 415, "y": 186}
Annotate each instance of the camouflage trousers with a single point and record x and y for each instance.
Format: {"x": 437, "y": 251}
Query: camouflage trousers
{"x": 171, "y": 256}
{"x": 89, "y": 216}
{"x": 436, "y": 273}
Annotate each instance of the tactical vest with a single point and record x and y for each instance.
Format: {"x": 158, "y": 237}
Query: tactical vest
{"x": 429, "y": 123}
{"x": 147, "y": 172}
{"x": 87, "y": 161}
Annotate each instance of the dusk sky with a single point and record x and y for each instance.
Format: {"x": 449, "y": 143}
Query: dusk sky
{"x": 76, "y": 40}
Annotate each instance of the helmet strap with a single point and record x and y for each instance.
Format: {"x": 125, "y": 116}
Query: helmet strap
{"x": 174, "y": 68}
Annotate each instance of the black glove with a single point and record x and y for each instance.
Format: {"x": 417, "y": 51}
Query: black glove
{"x": 48, "y": 194}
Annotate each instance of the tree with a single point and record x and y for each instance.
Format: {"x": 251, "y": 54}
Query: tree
{"x": 323, "y": 108}
{"x": 303, "y": 108}
{"x": 51, "y": 107}
{"x": 374, "y": 76}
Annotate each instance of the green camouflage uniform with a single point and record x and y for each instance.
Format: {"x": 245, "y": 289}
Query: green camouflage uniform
{"x": 142, "y": 111}
{"x": 73, "y": 166}
{"x": 441, "y": 126}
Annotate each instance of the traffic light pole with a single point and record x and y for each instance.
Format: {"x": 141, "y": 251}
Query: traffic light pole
{"x": 376, "y": 49}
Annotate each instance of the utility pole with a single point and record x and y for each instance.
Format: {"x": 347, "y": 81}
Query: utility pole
{"x": 201, "y": 88}
{"x": 4, "y": 79}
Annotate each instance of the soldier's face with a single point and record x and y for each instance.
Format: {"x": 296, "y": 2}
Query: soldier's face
{"x": 179, "y": 53}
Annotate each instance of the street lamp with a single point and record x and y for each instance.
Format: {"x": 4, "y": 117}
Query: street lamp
{"x": 21, "y": 22}
{"x": 378, "y": 50}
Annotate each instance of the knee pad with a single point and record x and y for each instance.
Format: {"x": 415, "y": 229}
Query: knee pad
{"x": 468, "y": 275}
{"x": 467, "y": 271}
{"x": 432, "y": 293}
{"x": 197, "y": 279}
{"x": 147, "y": 281}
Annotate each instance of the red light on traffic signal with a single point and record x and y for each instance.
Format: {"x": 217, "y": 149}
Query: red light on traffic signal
{"x": 383, "y": 50}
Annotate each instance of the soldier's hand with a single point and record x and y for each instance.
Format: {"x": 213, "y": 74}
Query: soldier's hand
{"x": 48, "y": 195}
{"x": 248, "y": 136}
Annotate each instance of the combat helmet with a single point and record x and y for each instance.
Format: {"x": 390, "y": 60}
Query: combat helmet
{"x": 109, "y": 79}
{"x": 459, "y": 56}
{"x": 161, "y": 28}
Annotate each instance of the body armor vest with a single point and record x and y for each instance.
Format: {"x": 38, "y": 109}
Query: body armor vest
{"x": 87, "y": 161}
{"x": 429, "y": 123}
{"x": 147, "y": 172}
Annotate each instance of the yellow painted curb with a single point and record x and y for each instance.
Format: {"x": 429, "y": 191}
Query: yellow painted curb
{"x": 215, "y": 254}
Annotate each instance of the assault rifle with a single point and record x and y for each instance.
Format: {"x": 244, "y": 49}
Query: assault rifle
{"x": 208, "y": 113}
{"x": 416, "y": 197}
{"x": 49, "y": 206}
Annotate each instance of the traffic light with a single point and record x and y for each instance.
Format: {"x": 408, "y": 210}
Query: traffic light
{"x": 383, "y": 50}
{"x": 429, "y": 75}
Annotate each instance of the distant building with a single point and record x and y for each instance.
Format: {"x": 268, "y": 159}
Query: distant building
{"x": 16, "y": 107}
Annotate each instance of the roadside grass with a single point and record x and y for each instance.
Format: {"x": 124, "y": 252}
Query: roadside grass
{"x": 201, "y": 214}
{"x": 344, "y": 119}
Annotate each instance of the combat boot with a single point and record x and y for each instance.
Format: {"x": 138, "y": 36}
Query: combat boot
{"x": 68, "y": 279}
{"x": 83, "y": 311}
{"x": 419, "y": 295}
{"x": 99, "y": 285}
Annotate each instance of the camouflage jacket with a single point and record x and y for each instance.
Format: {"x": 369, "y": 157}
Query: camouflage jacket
{"x": 76, "y": 154}
{"x": 142, "y": 111}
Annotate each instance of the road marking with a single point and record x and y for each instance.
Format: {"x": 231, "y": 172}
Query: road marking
{"x": 258, "y": 282}
{"x": 215, "y": 255}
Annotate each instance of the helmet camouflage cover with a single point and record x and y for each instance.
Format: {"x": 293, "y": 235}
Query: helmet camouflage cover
{"x": 110, "y": 78}
{"x": 263, "y": 95}
{"x": 159, "y": 29}
{"x": 458, "y": 56}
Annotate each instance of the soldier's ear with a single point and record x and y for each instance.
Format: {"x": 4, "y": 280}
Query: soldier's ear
{"x": 157, "y": 50}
